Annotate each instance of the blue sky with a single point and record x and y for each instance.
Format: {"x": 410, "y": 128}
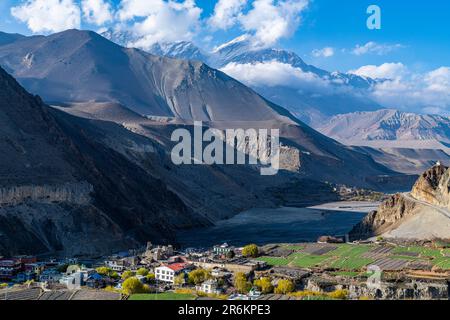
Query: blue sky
{"x": 411, "y": 50}
{"x": 418, "y": 26}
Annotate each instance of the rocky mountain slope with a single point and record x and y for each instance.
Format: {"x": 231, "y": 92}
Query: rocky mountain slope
{"x": 423, "y": 214}
{"x": 63, "y": 190}
{"x": 82, "y": 67}
{"x": 386, "y": 124}
{"x": 405, "y": 142}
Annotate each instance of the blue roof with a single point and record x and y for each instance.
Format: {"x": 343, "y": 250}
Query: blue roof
{"x": 95, "y": 276}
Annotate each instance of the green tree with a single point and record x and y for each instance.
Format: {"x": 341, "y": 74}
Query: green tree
{"x": 132, "y": 285}
{"x": 241, "y": 284}
{"x": 114, "y": 275}
{"x": 198, "y": 276}
{"x": 127, "y": 274}
{"x": 284, "y": 287}
{"x": 264, "y": 284}
{"x": 250, "y": 250}
{"x": 142, "y": 272}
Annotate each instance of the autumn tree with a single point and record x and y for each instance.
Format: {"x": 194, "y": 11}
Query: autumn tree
{"x": 104, "y": 271}
{"x": 127, "y": 274}
{"x": 142, "y": 272}
{"x": 132, "y": 285}
{"x": 284, "y": 287}
{"x": 250, "y": 250}
{"x": 198, "y": 276}
{"x": 241, "y": 284}
{"x": 264, "y": 284}
{"x": 180, "y": 279}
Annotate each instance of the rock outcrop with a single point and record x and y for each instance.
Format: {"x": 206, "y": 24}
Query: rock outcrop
{"x": 76, "y": 193}
{"x": 433, "y": 186}
{"x": 422, "y": 214}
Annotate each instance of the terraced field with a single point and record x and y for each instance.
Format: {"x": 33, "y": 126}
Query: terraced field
{"x": 356, "y": 257}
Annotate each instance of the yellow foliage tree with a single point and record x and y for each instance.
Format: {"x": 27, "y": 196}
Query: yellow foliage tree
{"x": 142, "y": 272}
{"x": 241, "y": 284}
{"x": 198, "y": 276}
{"x": 127, "y": 274}
{"x": 250, "y": 250}
{"x": 264, "y": 284}
{"x": 132, "y": 285}
{"x": 284, "y": 287}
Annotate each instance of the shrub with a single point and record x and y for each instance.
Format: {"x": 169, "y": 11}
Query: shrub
{"x": 339, "y": 294}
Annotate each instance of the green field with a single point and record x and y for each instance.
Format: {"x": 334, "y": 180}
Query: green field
{"x": 275, "y": 261}
{"x": 308, "y": 261}
{"x": 350, "y": 263}
{"x": 355, "y": 257}
{"x": 162, "y": 296}
{"x": 350, "y": 274}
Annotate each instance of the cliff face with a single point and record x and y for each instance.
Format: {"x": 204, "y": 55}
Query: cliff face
{"x": 388, "y": 216}
{"x": 422, "y": 214}
{"x": 76, "y": 193}
{"x": 433, "y": 186}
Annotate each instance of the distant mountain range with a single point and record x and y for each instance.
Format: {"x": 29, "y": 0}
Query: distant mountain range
{"x": 386, "y": 124}
{"x": 334, "y": 103}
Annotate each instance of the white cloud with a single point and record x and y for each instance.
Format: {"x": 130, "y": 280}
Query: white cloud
{"x": 226, "y": 13}
{"x": 325, "y": 52}
{"x": 48, "y": 15}
{"x": 270, "y": 21}
{"x": 384, "y": 71}
{"x": 129, "y": 9}
{"x": 375, "y": 48}
{"x": 274, "y": 73}
{"x": 420, "y": 92}
{"x": 163, "y": 21}
{"x": 97, "y": 11}
{"x": 438, "y": 80}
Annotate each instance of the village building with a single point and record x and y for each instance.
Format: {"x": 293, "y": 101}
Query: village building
{"x": 210, "y": 286}
{"x": 223, "y": 249}
{"x": 9, "y": 268}
{"x": 236, "y": 265}
{"x": 116, "y": 265}
{"x": 167, "y": 273}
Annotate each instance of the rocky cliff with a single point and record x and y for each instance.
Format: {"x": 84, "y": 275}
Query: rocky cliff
{"x": 422, "y": 214}
{"x": 433, "y": 186}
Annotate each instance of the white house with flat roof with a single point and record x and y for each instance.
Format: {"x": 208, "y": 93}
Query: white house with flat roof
{"x": 167, "y": 273}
